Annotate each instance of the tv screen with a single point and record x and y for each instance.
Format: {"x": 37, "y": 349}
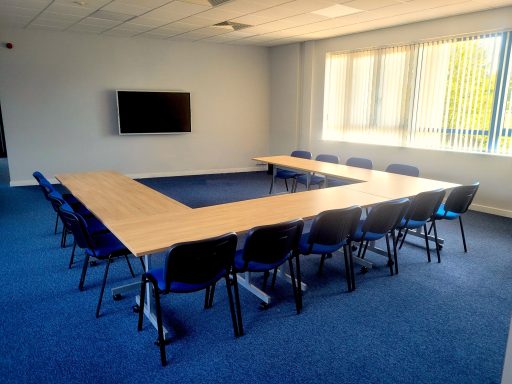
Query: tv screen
{"x": 144, "y": 112}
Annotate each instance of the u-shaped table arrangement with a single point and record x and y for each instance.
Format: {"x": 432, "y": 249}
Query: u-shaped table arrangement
{"x": 148, "y": 222}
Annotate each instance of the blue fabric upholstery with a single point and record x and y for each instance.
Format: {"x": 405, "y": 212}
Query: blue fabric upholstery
{"x": 441, "y": 212}
{"x": 284, "y": 174}
{"x": 181, "y": 287}
{"x": 370, "y": 236}
{"x": 105, "y": 245}
{"x": 315, "y": 180}
{"x": 412, "y": 224}
{"x": 317, "y": 248}
{"x": 254, "y": 265}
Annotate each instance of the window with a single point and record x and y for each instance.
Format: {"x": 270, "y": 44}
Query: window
{"x": 453, "y": 94}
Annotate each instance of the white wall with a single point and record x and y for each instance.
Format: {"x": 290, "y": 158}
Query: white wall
{"x": 57, "y": 92}
{"x": 494, "y": 172}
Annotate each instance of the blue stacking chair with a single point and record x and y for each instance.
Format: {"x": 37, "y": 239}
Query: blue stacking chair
{"x": 403, "y": 169}
{"x": 330, "y": 231}
{"x": 381, "y": 221}
{"x": 422, "y": 209}
{"x": 191, "y": 267}
{"x": 457, "y": 203}
{"x": 285, "y": 174}
{"x": 93, "y": 224}
{"x": 102, "y": 247}
{"x": 268, "y": 247}
{"x": 315, "y": 179}
{"x": 359, "y": 162}
{"x": 47, "y": 187}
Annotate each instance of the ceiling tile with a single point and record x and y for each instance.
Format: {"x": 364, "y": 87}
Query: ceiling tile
{"x": 369, "y": 4}
{"x": 8, "y": 9}
{"x": 148, "y": 21}
{"x": 128, "y": 9}
{"x": 176, "y": 10}
{"x": 14, "y": 21}
{"x": 70, "y": 9}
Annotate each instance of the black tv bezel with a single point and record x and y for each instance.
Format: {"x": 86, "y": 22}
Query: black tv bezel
{"x": 151, "y": 133}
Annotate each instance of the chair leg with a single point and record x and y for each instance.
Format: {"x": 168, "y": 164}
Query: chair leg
{"x": 352, "y": 272}
{"x": 231, "y": 304}
{"x": 294, "y": 286}
{"x": 271, "y": 185}
{"x": 206, "y": 297}
{"x": 299, "y": 279}
{"x": 347, "y": 269}
{"x": 84, "y": 272}
{"x": 395, "y": 251}
{"x": 273, "y": 283}
{"x": 437, "y": 245}
{"x": 72, "y": 258}
{"x": 212, "y": 293}
{"x": 161, "y": 341}
{"x": 430, "y": 229}
{"x": 463, "y": 236}
{"x": 142, "y": 301}
{"x": 426, "y": 243}
{"x": 266, "y": 274}
{"x": 237, "y": 304}
{"x": 364, "y": 249}
{"x": 286, "y": 184}
{"x": 142, "y": 263}
{"x": 56, "y": 224}
{"x": 390, "y": 260}
{"x": 129, "y": 265}
{"x": 321, "y": 266}
{"x": 98, "y": 307}
{"x": 403, "y": 238}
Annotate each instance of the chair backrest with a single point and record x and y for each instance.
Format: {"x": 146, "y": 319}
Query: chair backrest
{"x": 200, "y": 261}
{"x": 385, "y": 216}
{"x": 269, "y": 244}
{"x": 44, "y": 184}
{"x": 328, "y": 158}
{"x": 39, "y": 177}
{"x": 77, "y": 225}
{"x": 302, "y": 154}
{"x": 359, "y": 162}
{"x": 403, "y": 169}
{"x": 333, "y": 226}
{"x": 57, "y": 201}
{"x": 460, "y": 198}
{"x": 424, "y": 205}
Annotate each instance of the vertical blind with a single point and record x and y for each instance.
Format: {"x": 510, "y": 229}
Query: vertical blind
{"x": 452, "y": 94}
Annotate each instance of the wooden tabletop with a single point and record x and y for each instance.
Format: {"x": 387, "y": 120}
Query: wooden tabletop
{"x": 379, "y": 183}
{"x": 147, "y": 222}
{"x": 111, "y": 196}
{"x": 156, "y": 233}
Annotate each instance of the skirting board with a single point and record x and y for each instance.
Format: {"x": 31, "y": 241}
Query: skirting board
{"x": 23, "y": 183}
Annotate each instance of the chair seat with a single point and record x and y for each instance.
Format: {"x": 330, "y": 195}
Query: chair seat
{"x": 337, "y": 182}
{"x": 370, "y": 236}
{"x": 95, "y": 226}
{"x": 441, "y": 212}
{"x": 317, "y": 248}
{"x": 179, "y": 286}
{"x": 284, "y": 174}
{"x": 69, "y": 198}
{"x": 315, "y": 180}
{"x": 412, "y": 224}
{"x": 254, "y": 266}
{"x": 105, "y": 245}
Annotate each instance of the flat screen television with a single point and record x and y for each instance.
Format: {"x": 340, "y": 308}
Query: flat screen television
{"x": 153, "y": 112}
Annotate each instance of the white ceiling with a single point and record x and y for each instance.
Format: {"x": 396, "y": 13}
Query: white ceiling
{"x": 271, "y": 22}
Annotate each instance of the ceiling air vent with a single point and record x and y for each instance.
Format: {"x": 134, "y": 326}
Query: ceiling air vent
{"x": 232, "y": 26}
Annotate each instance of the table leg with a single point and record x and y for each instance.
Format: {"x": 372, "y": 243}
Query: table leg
{"x": 245, "y": 281}
{"x": 150, "y": 303}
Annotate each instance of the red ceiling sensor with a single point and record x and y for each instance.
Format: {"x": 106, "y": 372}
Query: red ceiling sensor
{"x": 8, "y": 45}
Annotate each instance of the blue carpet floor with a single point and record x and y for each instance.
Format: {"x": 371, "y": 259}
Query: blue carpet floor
{"x": 433, "y": 323}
